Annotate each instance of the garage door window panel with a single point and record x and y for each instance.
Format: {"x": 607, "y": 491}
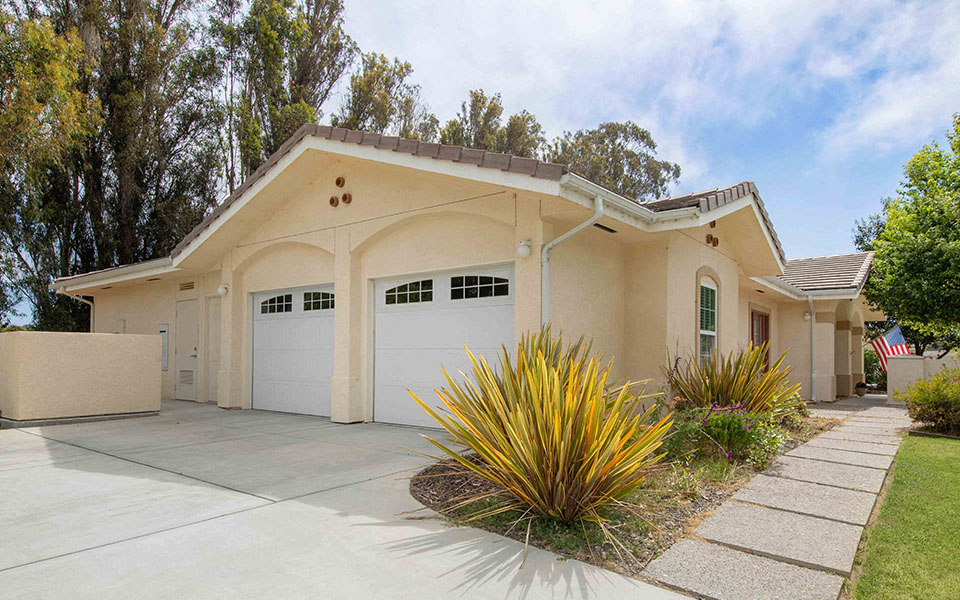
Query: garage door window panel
{"x": 468, "y": 287}
{"x": 278, "y": 304}
{"x": 318, "y": 301}
{"x": 413, "y": 292}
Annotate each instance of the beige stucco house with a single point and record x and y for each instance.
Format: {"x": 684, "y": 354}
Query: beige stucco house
{"x": 351, "y": 265}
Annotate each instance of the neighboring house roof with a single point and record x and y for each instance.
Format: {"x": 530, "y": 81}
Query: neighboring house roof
{"x": 713, "y": 199}
{"x": 480, "y": 158}
{"x": 836, "y": 272}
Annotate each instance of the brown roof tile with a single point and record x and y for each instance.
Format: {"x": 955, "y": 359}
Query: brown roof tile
{"x": 837, "y": 272}
{"x": 713, "y": 199}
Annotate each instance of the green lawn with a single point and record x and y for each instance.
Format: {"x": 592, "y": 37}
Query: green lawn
{"x": 913, "y": 550}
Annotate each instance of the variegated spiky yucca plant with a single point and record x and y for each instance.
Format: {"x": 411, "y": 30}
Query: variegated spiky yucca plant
{"x": 549, "y": 429}
{"x": 739, "y": 378}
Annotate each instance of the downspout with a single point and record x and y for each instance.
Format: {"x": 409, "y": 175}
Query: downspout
{"x": 545, "y": 257}
{"x": 80, "y": 299}
{"x": 813, "y": 349}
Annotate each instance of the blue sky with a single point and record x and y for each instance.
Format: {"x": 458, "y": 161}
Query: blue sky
{"x": 819, "y": 103}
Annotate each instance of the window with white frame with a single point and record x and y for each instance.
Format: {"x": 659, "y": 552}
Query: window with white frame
{"x": 317, "y": 301}
{"x": 278, "y": 304}
{"x": 478, "y": 286}
{"x": 410, "y": 293}
{"x": 708, "y": 319}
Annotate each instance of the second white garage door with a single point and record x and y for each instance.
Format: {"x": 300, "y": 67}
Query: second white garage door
{"x": 293, "y": 350}
{"x": 423, "y": 322}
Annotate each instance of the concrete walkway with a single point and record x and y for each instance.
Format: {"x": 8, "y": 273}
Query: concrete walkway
{"x": 793, "y": 530}
{"x": 200, "y": 502}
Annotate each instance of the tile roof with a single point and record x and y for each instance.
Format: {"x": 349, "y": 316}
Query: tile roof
{"x": 712, "y": 199}
{"x": 481, "y": 158}
{"x": 837, "y": 272}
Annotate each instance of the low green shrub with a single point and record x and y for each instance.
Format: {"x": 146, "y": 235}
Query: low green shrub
{"x": 731, "y": 433}
{"x": 935, "y": 401}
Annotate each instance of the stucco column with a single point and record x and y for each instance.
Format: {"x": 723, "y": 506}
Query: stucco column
{"x": 826, "y": 381}
{"x": 842, "y": 358}
{"x": 856, "y": 358}
{"x": 345, "y": 388}
{"x": 529, "y": 228}
{"x": 229, "y": 379}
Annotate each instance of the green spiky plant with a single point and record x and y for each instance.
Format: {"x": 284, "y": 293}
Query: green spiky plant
{"x": 739, "y": 378}
{"x": 549, "y": 430}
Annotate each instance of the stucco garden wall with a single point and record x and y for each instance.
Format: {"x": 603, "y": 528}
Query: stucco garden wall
{"x": 905, "y": 369}
{"x": 47, "y": 375}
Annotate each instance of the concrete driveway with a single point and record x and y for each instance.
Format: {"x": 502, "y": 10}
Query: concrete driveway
{"x": 200, "y": 502}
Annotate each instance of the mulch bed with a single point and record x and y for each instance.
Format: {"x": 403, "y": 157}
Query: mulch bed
{"x": 670, "y": 506}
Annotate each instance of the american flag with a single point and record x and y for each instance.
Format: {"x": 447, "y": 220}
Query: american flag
{"x": 890, "y": 344}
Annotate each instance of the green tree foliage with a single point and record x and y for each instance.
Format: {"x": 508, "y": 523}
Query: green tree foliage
{"x": 618, "y": 156}
{"x": 381, "y": 100}
{"x": 131, "y": 188}
{"x": 916, "y": 271}
{"x": 42, "y": 114}
{"x": 294, "y": 53}
{"x": 479, "y": 125}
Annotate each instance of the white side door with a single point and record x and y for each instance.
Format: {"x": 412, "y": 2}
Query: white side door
{"x": 187, "y": 338}
{"x": 293, "y": 350}
{"x": 425, "y": 321}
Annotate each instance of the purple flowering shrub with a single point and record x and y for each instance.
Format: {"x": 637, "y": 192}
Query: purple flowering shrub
{"x": 729, "y": 432}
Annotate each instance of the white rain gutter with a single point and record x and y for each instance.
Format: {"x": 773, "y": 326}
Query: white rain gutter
{"x": 89, "y": 303}
{"x": 813, "y": 349}
{"x": 545, "y": 257}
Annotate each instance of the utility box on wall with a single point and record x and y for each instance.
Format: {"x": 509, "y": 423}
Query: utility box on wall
{"x": 50, "y": 375}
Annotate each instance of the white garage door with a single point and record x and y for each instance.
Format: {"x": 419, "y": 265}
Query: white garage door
{"x": 423, "y": 322}
{"x": 293, "y": 350}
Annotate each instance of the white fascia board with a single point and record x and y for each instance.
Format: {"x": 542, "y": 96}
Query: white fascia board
{"x": 151, "y": 268}
{"x": 582, "y": 191}
{"x": 402, "y": 159}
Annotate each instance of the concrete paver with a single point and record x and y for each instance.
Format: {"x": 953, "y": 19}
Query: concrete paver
{"x": 834, "y": 434}
{"x": 726, "y": 574}
{"x": 849, "y": 506}
{"x": 838, "y": 475}
{"x": 799, "y": 539}
{"x": 884, "y": 448}
{"x": 876, "y": 461}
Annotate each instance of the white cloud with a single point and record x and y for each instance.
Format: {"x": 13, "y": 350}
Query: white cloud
{"x": 678, "y": 68}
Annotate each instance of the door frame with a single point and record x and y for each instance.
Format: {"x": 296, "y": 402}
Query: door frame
{"x": 369, "y": 381}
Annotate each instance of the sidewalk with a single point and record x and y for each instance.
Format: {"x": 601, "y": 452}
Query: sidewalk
{"x": 793, "y": 530}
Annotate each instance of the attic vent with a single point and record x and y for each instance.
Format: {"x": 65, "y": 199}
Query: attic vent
{"x": 186, "y": 286}
{"x": 186, "y": 377}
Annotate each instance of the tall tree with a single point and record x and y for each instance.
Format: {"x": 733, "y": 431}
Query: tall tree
{"x": 294, "y": 55}
{"x": 381, "y": 100}
{"x": 130, "y": 189}
{"x": 479, "y": 124}
{"x": 619, "y": 156}
{"x": 42, "y": 113}
{"x": 916, "y": 270}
